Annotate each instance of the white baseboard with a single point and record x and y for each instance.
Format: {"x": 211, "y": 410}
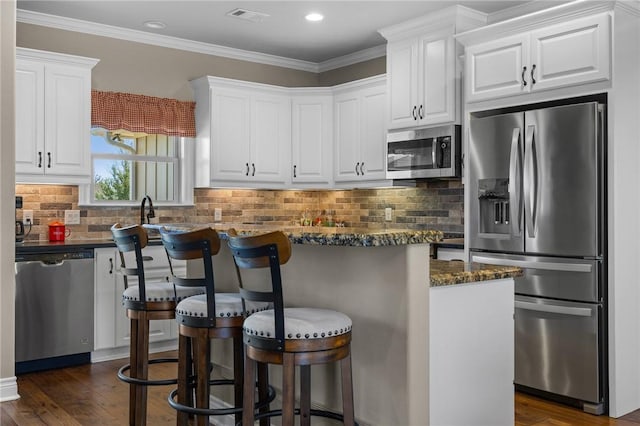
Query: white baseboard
{"x": 123, "y": 351}
{"x": 9, "y": 389}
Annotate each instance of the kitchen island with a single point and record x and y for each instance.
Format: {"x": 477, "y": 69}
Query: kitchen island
{"x": 405, "y": 321}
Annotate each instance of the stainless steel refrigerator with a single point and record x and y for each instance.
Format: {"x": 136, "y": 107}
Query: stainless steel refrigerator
{"x": 537, "y": 194}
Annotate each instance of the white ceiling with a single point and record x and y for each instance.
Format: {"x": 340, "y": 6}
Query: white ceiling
{"x": 348, "y": 27}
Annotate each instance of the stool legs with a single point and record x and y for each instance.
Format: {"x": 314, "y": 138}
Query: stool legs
{"x": 347, "y": 390}
{"x": 202, "y": 359}
{"x": 238, "y": 374}
{"x": 305, "y": 395}
{"x": 185, "y": 395}
{"x": 138, "y": 358}
{"x": 288, "y": 388}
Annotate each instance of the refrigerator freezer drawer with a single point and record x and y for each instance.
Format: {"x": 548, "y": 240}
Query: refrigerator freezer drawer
{"x": 558, "y": 278}
{"x": 557, "y": 347}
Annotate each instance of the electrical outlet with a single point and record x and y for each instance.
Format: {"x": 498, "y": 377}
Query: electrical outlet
{"x": 72, "y": 217}
{"x": 27, "y": 216}
{"x": 388, "y": 214}
{"x": 217, "y": 214}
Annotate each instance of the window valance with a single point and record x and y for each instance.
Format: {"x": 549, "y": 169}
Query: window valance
{"x": 140, "y": 113}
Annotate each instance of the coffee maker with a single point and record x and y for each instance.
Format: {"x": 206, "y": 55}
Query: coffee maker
{"x": 19, "y": 223}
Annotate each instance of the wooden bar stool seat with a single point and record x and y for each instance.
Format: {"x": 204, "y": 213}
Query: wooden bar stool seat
{"x": 289, "y": 336}
{"x": 143, "y": 302}
{"x": 202, "y": 318}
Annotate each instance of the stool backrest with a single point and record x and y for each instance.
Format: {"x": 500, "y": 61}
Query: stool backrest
{"x": 263, "y": 251}
{"x": 192, "y": 245}
{"x": 132, "y": 238}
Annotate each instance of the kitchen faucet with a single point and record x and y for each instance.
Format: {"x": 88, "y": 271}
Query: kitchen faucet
{"x": 151, "y": 211}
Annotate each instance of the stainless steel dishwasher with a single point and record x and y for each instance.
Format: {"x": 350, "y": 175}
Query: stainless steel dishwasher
{"x": 54, "y": 309}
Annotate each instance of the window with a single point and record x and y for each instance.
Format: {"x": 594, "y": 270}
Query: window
{"x": 126, "y": 166}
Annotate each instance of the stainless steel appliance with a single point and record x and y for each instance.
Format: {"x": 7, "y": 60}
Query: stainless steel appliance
{"x": 54, "y": 309}
{"x": 537, "y": 194}
{"x": 19, "y": 223}
{"x": 424, "y": 153}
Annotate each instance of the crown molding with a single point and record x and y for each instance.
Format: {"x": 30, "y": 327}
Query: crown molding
{"x": 353, "y": 58}
{"x": 62, "y": 58}
{"x": 76, "y": 25}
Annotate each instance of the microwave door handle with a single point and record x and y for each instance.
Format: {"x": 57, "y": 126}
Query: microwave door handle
{"x": 434, "y": 153}
{"x": 530, "y": 181}
{"x": 515, "y": 183}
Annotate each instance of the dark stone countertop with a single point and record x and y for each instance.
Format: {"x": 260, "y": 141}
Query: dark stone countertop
{"x": 444, "y": 273}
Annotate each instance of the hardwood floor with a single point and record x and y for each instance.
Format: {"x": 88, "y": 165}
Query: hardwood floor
{"x": 93, "y": 395}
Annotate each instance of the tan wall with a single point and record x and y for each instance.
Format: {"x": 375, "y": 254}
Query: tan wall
{"x": 353, "y": 72}
{"x": 7, "y": 173}
{"x": 132, "y": 67}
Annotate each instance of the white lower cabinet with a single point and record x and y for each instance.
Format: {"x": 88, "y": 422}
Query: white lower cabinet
{"x": 111, "y": 322}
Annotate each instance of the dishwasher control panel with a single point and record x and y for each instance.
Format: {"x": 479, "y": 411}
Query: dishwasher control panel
{"x": 54, "y": 257}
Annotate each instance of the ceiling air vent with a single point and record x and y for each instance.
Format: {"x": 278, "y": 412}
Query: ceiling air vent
{"x": 248, "y": 15}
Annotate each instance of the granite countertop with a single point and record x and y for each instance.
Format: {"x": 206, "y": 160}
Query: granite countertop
{"x": 444, "y": 273}
{"x": 325, "y": 236}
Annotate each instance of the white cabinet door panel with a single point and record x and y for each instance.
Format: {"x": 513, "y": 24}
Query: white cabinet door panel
{"x": 572, "y": 53}
{"x": 438, "y": 81}
{"x": 29, "y": 116}
{"x": 347, "y": 134}
{"x": 312, "y": 139}
{"x": 67, "y": 125}
{"x": 270, "y": 143}
{"x": 402, "y": 74}
{"x": 496, "y": 68}
{"x": 231, "y": 144}
{"x": 373, "y": 134}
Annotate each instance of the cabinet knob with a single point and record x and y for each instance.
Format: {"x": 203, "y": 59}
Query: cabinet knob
{"x": 294, "y": 171}
{"x": 49, "y": 160}
{"x": 524, "y": 82}
{"x": 39, "y": 159}
{"x": 413, "y": 113}
{"x": 533, "y": 79}
{"x": 362, "y": 168}
{"x": 247, "y": 172}
{"x": 253, "y": 169}
{"x": 111, "y": 265}
{"x": 420, "y": 112}
{"x": 357, "y": 172}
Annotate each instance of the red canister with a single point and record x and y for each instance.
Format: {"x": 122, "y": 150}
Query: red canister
{"x": 57, "y": 231}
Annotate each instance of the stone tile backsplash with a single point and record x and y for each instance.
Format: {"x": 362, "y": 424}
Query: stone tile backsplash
{"x": 430, "y": 205}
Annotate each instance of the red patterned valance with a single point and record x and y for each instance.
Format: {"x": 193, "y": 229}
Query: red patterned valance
{"x": 140, "y": 113}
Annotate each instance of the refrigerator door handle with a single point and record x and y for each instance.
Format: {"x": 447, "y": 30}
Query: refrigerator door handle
{"x": 532, "y": 264}
{"x": 515, "y": 184}
{"x": 530, "y": 181}
{"x": 553, "y": 309}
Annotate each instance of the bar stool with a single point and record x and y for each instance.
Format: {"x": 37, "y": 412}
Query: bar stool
{"x": 144, "y": 302}
{"x": 202, "y": 318}
{"x": 289, "y": 336}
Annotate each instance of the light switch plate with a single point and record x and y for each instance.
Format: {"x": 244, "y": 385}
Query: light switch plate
{"x": 72, "y": 217}
{"x": 388, "y": 214}
{"x": 217, "y": 214}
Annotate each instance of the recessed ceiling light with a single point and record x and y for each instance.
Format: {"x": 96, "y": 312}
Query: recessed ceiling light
{"x": 156, "y": 25}
{"x": 314, "y": 17}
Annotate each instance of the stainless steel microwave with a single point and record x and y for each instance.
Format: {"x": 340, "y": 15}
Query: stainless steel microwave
{"x": 424, "y": 153}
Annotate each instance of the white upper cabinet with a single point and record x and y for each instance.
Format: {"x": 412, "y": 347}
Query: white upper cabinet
{"x": 244, "y": 134}
{"x": 360, "y": 132}
{"x": 569, "y": 53}
{"x": 423, "y": 74}
{"x": 53, "y": 117}
{"x": 311, "y": 139}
